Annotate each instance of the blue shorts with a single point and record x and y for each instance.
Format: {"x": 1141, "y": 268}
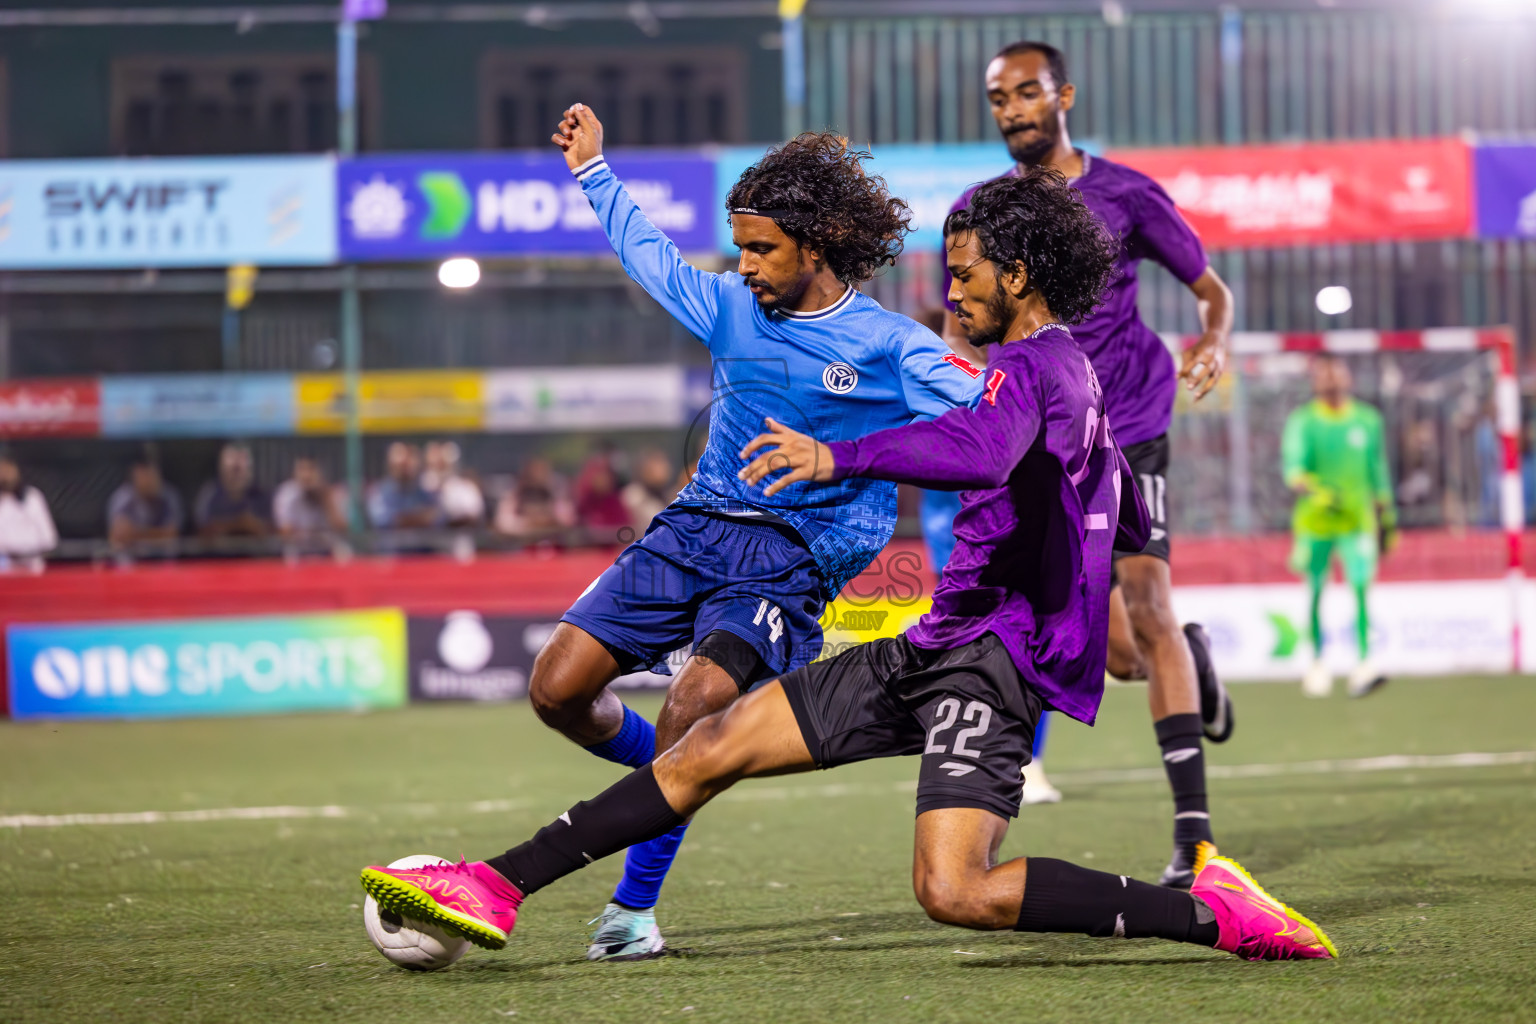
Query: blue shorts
{"x": 695, "y": 572}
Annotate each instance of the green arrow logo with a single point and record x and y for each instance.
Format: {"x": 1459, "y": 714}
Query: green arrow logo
{"x": 447, "y": 201}
{"x": 1286, "y": 636}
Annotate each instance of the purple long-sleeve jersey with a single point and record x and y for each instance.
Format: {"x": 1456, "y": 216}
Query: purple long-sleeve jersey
{"x": 1138, "y": 373}
{"x": 1043, "y": 506}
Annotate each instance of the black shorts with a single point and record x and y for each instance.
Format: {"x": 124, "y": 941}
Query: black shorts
{"x": 1149, "y": 468}
{"x": 967, "y": 711}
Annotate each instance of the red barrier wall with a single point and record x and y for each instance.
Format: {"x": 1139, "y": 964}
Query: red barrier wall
{"x": 543, "y": 583}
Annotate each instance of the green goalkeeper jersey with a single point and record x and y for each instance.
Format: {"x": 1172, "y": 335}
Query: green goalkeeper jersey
{"x": 1342, "y": 455}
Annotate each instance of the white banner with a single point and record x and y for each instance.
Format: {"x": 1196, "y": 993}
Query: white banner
{"x": 585, "y": 398}
{"x": 1262, "y": 632}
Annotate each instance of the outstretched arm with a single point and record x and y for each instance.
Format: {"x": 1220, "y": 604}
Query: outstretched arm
{"x": 649, "y": 256}
{"x": 965, "y": 449}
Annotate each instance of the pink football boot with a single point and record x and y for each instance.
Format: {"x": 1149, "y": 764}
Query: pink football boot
{"x": 1254, "y": 925}
{"x": 472, "y": 900}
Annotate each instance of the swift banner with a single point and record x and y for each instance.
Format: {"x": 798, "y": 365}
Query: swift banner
{"x": 174, "y": 668}
{"x": 72, "y": 214}
{"x": 410, "y": 207}
{"x": 1506, "y": 191}
{"x": 1295, "y": 195}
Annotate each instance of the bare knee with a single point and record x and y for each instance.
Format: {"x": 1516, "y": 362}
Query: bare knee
{"x": 568, "y": 686}
{"x": 554, "y": 699}
{"x": 700, "y": 689}
{"x": 955, "y": 897}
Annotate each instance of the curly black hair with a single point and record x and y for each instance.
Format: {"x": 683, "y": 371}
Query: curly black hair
{"x": 815, "y": 189}
{"x": 1039, "y": 220}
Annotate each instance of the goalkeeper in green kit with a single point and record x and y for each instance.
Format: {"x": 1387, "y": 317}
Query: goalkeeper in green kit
{"x": 1334, "y": 455}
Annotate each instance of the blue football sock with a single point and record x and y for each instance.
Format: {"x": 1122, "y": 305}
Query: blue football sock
{"x": 634, "y": 746}
{"x": 1041, "y": 732}
{"x": 645, "y": 868}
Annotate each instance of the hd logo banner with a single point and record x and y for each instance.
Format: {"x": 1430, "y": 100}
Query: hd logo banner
{"x": 403, "y": 207}
{"x": 204, "y": 212}
{"x": 187, "y": 667}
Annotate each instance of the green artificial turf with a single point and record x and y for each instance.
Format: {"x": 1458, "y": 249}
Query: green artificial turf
{"x": 793, "y": 894}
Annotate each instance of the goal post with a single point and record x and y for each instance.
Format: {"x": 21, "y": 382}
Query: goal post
{"x": 1496, "y": 346}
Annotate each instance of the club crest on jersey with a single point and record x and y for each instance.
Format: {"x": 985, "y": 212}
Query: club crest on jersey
{"x": 839, "y": 378}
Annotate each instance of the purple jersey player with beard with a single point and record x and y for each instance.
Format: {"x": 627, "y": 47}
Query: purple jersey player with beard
{"x": 1019, "y": 623}
{"x": 1030, "y": 96}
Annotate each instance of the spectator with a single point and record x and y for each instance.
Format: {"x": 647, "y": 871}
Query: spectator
{"x": 652, "y": 490}
{"x": 536, "y": 505}
{"x": 231, "y": 505}
{"x": 145, "y": 508}
{"x": 305, "y": 506}
{"x": 26, "y": 527}
{"x": 398, "y": 502}
{"x": 598, "y": 505}
{"x": 458, "y": 497}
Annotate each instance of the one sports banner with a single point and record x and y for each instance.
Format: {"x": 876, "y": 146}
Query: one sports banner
{"x": 222, "y": 666}
{"x": 1367, "y": 191}
{"x": 185, "y": 212}
{"x": 413, "y": 207}
{"x": 1506, "y": 190}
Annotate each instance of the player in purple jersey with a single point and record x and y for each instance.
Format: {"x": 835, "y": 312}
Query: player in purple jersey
{"x": 1030, "y": 96}
{"x": 1019, "y": 622}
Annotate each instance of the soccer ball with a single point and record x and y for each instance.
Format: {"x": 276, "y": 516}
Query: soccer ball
{"x": 406, "y": 942}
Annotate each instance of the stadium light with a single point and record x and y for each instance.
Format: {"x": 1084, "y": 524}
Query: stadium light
{"x": 1334, "y": 299}
{"x": 459, "y": 272}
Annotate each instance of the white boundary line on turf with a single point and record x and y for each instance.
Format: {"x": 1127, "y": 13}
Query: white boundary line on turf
{"x": 1355, "y": 766}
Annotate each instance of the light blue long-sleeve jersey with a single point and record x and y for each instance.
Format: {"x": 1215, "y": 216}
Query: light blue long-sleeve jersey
{"x": 841, "y": 372}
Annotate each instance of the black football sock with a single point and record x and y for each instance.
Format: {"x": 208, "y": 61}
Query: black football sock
{"x": 1184, "y": 760}
{"x": 1062, "y": 897}
{"x": 630, "y": 811}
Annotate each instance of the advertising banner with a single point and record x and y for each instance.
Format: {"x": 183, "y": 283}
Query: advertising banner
{"x": 1237, "y": 196}
{"x": 585, "y": 398}
{"x": 1260, "y": 631}
{"x": 185, "y": 667}
{"x": 1506, "y": 190}
{"x": 50, "y": 408}
{"x": 197, "y": 405}
{"x": 192, "y": 212}
{"x": 413, "y": 207}
{"x": 468, "y": 656}
{"x": 929, "y": 178}
{"x": 403, "y": 401}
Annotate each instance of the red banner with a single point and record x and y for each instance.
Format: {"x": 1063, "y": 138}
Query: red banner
{"x": 1237, "y": 196}
{"x": 50, "y": 408}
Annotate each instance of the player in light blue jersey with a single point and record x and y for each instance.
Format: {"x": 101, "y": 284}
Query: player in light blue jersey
{"x": 740, "y": 576}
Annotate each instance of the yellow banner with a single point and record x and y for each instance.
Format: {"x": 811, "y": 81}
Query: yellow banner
{"x": 403, "y": 402}
{"x": 846, "y": 623}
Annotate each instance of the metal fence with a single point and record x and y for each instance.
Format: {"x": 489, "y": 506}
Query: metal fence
{"x": 1186, "y": 79}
